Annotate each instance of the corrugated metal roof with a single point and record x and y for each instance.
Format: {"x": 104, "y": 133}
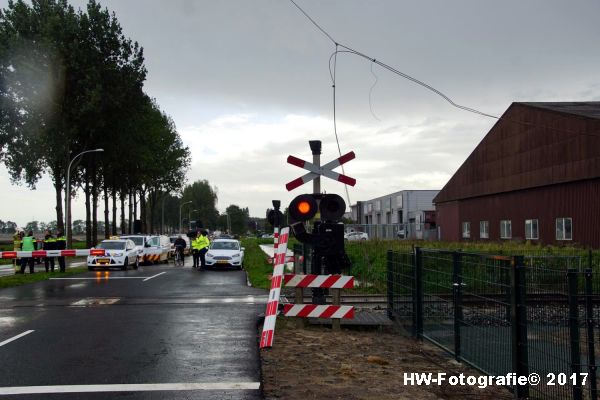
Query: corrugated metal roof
{"x": 532, "y": 145}
{"x": 589, "y": 109}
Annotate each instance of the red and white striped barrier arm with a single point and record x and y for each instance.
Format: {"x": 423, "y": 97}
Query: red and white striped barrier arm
{"x": 266, "y": 338}
{"x": 52, "y": 253}
{"x": 288, "y": 259}
{"x": 319, "y": 281}
{"x": 275, "y": 238}
{"x": 318, "y": 311}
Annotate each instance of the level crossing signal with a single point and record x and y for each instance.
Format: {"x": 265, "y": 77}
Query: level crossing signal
{"x": 327, "y": 236}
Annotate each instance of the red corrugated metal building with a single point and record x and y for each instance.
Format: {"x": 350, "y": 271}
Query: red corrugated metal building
{"x": 535, "y": 176}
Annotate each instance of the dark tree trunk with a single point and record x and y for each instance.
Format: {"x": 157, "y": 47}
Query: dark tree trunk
{"x": 152, "y": 205}
{"x": 135, "y": 205}
{"x": 58, "y": 187}
{"x": 88, "y": 211}
{"x": 106, "y": 217}
{"x": 130, "y": 225}
{"x": 143, "y": 211}
{"x": 94, "y": 207}
{"x": 114, "y": 212}
{"x": 122, "y": 197}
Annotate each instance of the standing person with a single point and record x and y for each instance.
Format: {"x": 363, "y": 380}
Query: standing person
{"x": 28, "y": 244}
{"x": 203, "y": 246}
{"x": 195, "y": 250}
{"x": 17, "y": 240}
{"x": 61, "y": 244}
{"x": 49, "y": 244}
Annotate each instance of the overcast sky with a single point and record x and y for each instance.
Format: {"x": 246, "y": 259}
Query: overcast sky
{"x": 247, "y": 83}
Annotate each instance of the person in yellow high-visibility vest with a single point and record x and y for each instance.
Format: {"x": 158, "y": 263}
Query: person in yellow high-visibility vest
{"x": 17, "y": 240}
{"x": 28, "y": 244}
{"x": 49, "y": 244}
{"x": 195, "y": 250}
{"x": 203, "y": 244}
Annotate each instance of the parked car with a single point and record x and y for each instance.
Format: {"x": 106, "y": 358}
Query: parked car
{"x": 225, "y": 253}
{"x": 118, "y": 253}
{"x": 267, "y": 236}
{"x": 401, "y": 233}
{"x": 188, "y": 243}
{"x": 352, "y": 236}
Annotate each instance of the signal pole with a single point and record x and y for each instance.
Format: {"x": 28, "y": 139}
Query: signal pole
{"x": 318, "y": 294}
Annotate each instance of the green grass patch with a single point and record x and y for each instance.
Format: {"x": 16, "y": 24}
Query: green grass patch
{"x": 23, "y": 279}
{"x": 255, "y": 262}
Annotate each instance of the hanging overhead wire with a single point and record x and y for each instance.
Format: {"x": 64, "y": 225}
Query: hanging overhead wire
{"x": 347, "y": 49}
{"x": 390, "y": 68}
{"x": 371, "y": 92}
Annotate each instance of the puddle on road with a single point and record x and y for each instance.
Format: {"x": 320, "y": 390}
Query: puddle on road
{"x": 95, "y": 302}
{"x": 8, "y": 322}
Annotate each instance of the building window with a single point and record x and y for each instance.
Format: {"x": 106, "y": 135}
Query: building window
{"x": 399, "y": 201}
{"x": 484, "y": 229}
{"x": 531, "y": 229}
{"x": 466, "y": 230}
{"x": 370, "y": 207}
{"x": 505, "y": 229}
{"x": 564, "y": 229}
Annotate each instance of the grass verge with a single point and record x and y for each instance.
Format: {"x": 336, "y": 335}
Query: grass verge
{"x": 255, "y": 263}
{"x": 18, "y": 280}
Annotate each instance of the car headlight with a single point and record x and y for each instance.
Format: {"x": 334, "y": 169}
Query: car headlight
{"x": 236, "y": 255}
{"x": 117, "y": 254}
{"x": 209, "y": 255}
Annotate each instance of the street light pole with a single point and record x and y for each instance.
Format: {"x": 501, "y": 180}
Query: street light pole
{"x": 190, "y": 219}
{"x": 68, "y": 194}
{"x": 181, "y": 205}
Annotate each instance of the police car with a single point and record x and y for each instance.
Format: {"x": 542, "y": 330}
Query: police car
{"x": 225, "y": 252}
{"x": 118, "y": 253}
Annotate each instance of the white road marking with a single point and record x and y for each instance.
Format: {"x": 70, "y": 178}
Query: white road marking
{"x": 95, "y": 302}
{"x": 144, "y": 387}
{"x": 20, "y": 335}
{"x": 154, "y": 276}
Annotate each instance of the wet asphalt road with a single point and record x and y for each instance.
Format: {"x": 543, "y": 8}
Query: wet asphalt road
{"x": 179, "y": 327}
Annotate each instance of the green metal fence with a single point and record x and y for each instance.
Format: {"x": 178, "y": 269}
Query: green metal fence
{"x": 535, "y": 314}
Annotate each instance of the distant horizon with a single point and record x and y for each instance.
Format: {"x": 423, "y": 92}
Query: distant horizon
{"x": 248, "y": 83}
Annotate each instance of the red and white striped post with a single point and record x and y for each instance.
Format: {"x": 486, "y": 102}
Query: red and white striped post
{"x": 266, "y": 338}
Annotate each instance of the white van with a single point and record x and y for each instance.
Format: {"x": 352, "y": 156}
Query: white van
{"x": 157, "y": 249}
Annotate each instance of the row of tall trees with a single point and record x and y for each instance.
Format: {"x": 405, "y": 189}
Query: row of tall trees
{"x": 70, "y": 81}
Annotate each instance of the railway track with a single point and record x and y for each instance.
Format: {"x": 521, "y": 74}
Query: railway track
{"x": 380, "y": 301}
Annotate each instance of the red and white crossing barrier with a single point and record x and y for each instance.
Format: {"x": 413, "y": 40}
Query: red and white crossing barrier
{"x": 319, "y": 281}
{"x": 266, "y": 338}
{"x": 52, "y": 253}
{"x": 318, "y": 311}
{"x": 288, "y": 259}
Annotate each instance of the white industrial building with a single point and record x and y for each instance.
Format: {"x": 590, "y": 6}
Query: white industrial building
{"x": 404, "y": 214}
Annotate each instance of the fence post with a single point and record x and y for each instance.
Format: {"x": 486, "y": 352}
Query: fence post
{"x": 418, "y": 293}
{"x": 572, "y": 278}
{"x": 457, "y": 297}
{"x": 518, "y": 321}
{"x": 589, "y": 317}
{"x": 390, "y": 285}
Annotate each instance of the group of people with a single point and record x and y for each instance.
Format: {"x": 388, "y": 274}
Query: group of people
{"x": 199, "y": 244}
{"x": 28, "y": 242}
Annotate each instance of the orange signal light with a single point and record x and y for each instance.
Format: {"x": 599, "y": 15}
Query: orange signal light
{"x": 304, "y": 207}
